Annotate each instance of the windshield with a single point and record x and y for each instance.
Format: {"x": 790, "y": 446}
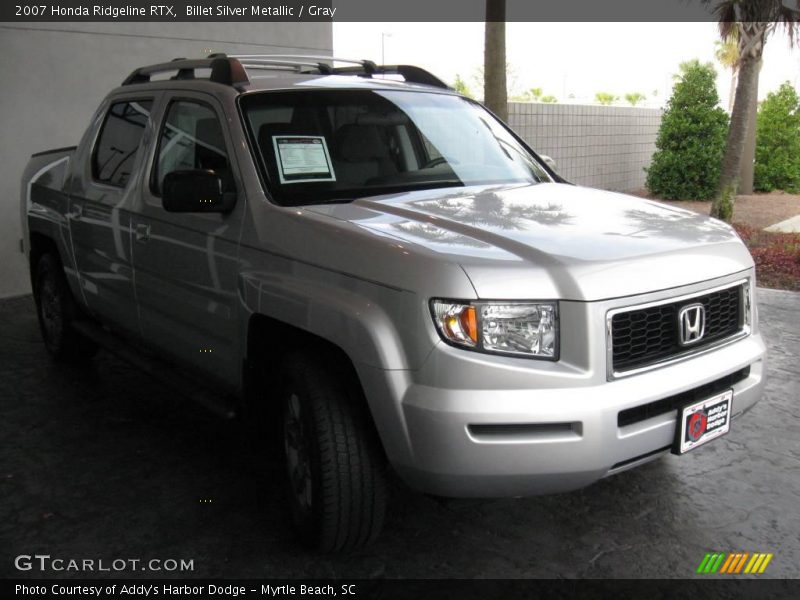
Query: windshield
{"x": 335, "y": 145}
{"x": 320, "y": 146}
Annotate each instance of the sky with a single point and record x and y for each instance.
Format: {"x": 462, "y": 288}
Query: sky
{"x": 564, "y": 59}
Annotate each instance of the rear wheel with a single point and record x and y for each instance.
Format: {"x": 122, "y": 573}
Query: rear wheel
{"x": 336, "y": 468}
{"x": 57, "y": 310}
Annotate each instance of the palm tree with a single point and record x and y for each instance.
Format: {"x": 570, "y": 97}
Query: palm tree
{"x": 634, "y": 98}
{"x": 495, "y": 93}
{"x": 461, "y": 86}
{"x": 727, "y": 54}
{"x": 752, "y": 22}
{"x": 605, "y": 98}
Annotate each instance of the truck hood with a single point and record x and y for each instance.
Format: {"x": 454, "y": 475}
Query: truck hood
{"x": 553, "y": 240}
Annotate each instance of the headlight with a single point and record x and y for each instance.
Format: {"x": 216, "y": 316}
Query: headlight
{"x": 526, "y": 329}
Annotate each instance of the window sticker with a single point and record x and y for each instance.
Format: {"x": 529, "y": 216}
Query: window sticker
{"x": 303, "y": 158}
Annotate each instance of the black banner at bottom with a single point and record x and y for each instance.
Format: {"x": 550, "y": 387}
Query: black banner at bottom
{"x": 461, "y": 589}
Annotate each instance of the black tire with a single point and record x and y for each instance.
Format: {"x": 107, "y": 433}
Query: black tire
{"x": 57, "y": 310}
{"x": 336, "y": 467}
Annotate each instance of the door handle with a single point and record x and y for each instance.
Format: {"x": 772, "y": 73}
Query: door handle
{"x": 142, "y": 232}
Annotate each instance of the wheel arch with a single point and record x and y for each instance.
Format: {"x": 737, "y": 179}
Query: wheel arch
{"x": 269, "y": 342}
{"x": 260, "y": 352}
{"x": 40, "y": 244}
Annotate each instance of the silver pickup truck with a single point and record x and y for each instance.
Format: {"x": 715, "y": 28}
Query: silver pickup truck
{"x": 379, "y": 271}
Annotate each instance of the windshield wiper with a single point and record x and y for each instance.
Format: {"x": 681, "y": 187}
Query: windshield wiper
{"x": 363, "y": 192}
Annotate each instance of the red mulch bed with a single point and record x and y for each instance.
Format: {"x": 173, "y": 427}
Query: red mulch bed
{"x": 777, "y": 257}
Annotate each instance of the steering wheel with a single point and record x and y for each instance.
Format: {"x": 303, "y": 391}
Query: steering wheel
{"x": 440, "y": 160}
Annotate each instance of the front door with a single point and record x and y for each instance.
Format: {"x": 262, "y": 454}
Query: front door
{"x": 186, "y": 263}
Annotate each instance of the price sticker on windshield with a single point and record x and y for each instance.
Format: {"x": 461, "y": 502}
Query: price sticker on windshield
{"x": 303, "y": 158}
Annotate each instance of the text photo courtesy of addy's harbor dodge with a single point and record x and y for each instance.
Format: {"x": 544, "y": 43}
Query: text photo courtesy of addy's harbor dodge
{"x": 221, "y": 590}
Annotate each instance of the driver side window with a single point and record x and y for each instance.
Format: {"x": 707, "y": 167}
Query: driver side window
{"x": 191, "y": 138}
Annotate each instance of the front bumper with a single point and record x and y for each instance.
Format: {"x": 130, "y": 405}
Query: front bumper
{"x": 543, "y": 428}
{"x": 577, "y": 439}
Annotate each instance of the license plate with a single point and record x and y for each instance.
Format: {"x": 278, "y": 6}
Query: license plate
{"x": 703, "y": 421}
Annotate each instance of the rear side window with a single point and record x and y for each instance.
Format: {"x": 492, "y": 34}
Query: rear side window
{"x": 115, "y": 151}
{"x": 191, "y": 138}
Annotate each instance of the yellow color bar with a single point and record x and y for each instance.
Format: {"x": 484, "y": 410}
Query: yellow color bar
{"x": 764, "y": 564}
{"x": 741, "y": 562}
{"x": 753, "y": 562}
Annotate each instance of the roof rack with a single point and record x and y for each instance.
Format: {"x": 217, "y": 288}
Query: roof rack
{"x": 223, "y": 70}
{"x": 410, "y": 73}
{"x": 364, "y": 68}
{"x": 232, "y": 70}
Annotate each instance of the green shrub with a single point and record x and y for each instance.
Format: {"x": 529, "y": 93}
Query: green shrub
{"x": 778, "y": 141}
{"x": 691, "y": 140}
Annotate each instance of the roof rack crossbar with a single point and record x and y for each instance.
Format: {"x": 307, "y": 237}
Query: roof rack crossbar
{"x": 231, "y": 70}
{"x": 264, "y": 62}
{"x": 315, "y": 58}
{"x": 367, "y": 67}
{"x": 324, "y": 64}
{"x": 410, "y": 73}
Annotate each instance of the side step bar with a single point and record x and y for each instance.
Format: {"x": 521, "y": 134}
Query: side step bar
{"x": 166, "y": 374}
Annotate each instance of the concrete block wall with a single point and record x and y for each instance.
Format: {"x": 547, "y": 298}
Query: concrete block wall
{"x": 605, "y": 147}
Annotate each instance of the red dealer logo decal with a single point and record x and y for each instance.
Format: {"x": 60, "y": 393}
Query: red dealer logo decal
{"x": 697, "y": 425}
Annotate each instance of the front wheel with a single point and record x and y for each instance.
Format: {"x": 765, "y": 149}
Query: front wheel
{"x": 336, "y": 468}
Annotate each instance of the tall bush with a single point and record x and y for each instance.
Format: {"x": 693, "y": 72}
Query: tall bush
{"x": 686, "y": 163}
{"x": 778, "y": 141}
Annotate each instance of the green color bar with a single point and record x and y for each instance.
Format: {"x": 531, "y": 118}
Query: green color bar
{"x": 701, "y": 568}
{"x": 718, "y": 564}
{"x": 711, "y": 562}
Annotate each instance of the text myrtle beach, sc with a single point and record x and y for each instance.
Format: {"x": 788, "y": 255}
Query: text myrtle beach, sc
{"x": 161, "y": 11}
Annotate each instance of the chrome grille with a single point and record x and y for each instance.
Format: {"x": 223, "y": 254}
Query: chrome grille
{"x": 649, "y": 335}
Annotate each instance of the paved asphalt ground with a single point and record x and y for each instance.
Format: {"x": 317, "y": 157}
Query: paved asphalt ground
{"x": 104, "y": 463}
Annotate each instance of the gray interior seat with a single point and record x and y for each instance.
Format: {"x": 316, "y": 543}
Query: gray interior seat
{"x": 360, "y": 154}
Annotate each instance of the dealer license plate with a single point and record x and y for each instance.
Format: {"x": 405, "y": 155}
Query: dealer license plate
{"x": 703, "y": 421}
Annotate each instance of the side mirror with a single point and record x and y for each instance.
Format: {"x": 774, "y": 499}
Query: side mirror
{"x": 196, "y": 190}
{"x": 549, "y": 161}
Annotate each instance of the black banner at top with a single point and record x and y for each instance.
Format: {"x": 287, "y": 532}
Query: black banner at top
{"x": 356, "y": 10}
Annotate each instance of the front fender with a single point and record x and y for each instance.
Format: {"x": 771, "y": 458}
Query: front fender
{"x": 373, "y": 324}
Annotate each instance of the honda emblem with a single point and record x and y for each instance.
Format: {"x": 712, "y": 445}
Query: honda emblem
{"x": 691, "y": 324}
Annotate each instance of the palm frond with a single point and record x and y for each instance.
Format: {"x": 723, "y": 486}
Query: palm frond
{"x": 731, "y": 14}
